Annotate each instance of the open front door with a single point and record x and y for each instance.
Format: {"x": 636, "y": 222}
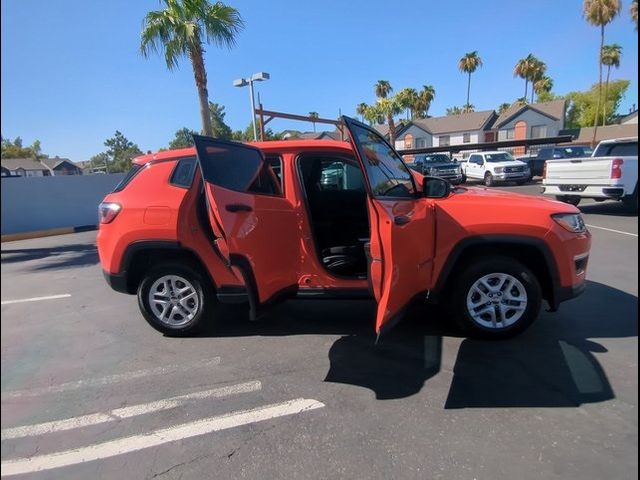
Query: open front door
{"x": 402, "y": 226}
{"x": 255, "y": 226}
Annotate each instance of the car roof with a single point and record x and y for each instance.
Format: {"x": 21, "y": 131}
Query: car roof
{"x": 621, "y": 140}
{"x": 491, "y": 152}
{"x": 270, "y": 147}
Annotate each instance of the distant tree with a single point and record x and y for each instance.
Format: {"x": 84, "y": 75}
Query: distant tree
{"x": 468, "y": 64}
{"x": 543, "y": 85}
{"x": 120, "y": 151}
{"x": 361, "y": 109}
{"x": 503, "y": 108}
{"x": 600, "y": 13}
{"x": 423, "y": 102}
{"x": 548, "y": 96}
{"x": 524, "y": 69}
{"x": 633, "y": 11}
{"x": 406, "y": 98}
{"x": 455, "y": 110}
{"x": 538, "y": 71}
{"x": 100, "y": 162}
{"x": 219, "y": 129}
{"x": 182, "y": 139}
{"x": 246, "y": 135}
{"x": 372, "y": 115}
{"x": 181, "y": 29}
{"x": 382, "y": 88}
{"x": 611, "y": 58}
{"x": 314, "y": 116}
{"x": 387, "y": 106}
{"x": 584, "y": 106}
{"x": 15, "y": 149}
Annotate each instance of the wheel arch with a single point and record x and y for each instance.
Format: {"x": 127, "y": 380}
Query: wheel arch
{"x": 534, "y": 253}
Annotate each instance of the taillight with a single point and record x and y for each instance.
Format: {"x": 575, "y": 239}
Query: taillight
{"x": 544, "y": 171}
{"x": 107, "y": 211}
{"x": 616, "y": 168}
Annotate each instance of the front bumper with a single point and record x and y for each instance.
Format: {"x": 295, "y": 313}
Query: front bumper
{"x": 614, "y": 192}
{"x": 116, "y": 281}
{"x": 508, "y": 177}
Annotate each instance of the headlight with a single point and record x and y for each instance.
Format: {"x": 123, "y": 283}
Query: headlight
{"x": 432, "y": 171}
{"x": 499, "y": 169}
{"x": 573, "y": 222}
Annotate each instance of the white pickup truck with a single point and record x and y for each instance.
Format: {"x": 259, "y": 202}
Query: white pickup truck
{"x": 610, "y": 173}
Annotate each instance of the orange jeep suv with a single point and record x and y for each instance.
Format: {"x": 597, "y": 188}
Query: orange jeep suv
{"x": 227, "y": 222}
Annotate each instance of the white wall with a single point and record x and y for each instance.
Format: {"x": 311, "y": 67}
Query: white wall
{"x": 457, "y": 138}
{"x": 39, "y": 203}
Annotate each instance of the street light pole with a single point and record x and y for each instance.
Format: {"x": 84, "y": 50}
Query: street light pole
{"x": 243, "y": 82}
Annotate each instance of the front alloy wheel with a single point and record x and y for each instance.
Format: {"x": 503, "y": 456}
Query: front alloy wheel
{"x": 497, "y": 300}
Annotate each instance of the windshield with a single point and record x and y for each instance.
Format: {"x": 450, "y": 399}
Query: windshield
{"x": 499, "y": 157}
{"x": 573, "y": 152}
{"x": 434, "y": 158}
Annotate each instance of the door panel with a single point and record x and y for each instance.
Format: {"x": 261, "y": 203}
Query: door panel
{"x": 249, "y": 216}
{"x": 402, "y": 226}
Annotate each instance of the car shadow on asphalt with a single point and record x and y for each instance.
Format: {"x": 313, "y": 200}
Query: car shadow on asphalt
{"x": 553, "y": 364}
{"x": 614, "y": 209}
{"x": 66, "y": 256}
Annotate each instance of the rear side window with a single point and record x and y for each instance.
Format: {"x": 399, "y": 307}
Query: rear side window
{"x": 182, "y": 175}
{"x": 128, "y": 177}
{"x": 617, "y": 149}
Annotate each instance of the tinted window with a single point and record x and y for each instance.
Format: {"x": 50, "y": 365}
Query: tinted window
{"x": 475, "y": 159}
{"x": 127, "y": 178}
{"x": 266, "y": 183}
{"x": 229, "y": 165}
{"x": 437, "y": 158}
{"x": 499, "y": 157}
{"x": 276, "y": 167}
{"x": 182, "y": 175}
{"x": 617, "y": 149}
{"x": 388, "y": 175}
{"x": 340, "y": 175}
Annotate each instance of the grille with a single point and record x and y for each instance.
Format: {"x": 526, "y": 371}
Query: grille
{"x": 514, "y": 169}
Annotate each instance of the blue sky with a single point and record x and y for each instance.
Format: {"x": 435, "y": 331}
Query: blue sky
{"x": 72, "y": 73}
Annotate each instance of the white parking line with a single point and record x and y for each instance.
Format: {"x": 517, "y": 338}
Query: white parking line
{"x": 134, "y": 443}
{"x": 612, "y": 230}
{"x": 126, "y": 412}
{"x": 35, "y": 299}
{"x": 109, "y": 379}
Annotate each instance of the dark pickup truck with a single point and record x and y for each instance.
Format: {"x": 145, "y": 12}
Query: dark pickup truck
{"x": 536, "y": 164}
{"x": 438, "y": 165}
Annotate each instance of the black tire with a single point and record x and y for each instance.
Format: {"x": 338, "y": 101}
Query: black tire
{"x": 522, "y": 182}
{"x": 631, "y": 201}
{"x": 463, "y": 180}
{"x": 488, "y": 179}
{"x": 498, "y": 265}
{"x": 571, "y": 200}
{"x": 206, "y": 300}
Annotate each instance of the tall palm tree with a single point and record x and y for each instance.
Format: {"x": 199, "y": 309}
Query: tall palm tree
{"x": 538, "y": 71}
{"x": 383, "y": 88}
{"x": 361, "y": 109}
{"x": 524, "y": 69}
{"x": 468, "y": 64}
{"x": 600, "y": 13}
{"x": 503, "y": 108}
{"x": 182, "y": 29}
{"x": 611, "y": 58}
{"x": 633, "y": 11}
{"x": 372, "y": 114}
{"x": 389, "y": 107}
{"x": 314, "y": 116}
{"x": 407, "y": 99}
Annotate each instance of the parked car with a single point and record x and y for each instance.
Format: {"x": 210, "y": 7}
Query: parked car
{"x": 494, "y": 167}
{"x": 611, "y": 173}
{"x": 438, "y": 165}
{"x": 191, "y": 228}
{"x": 536, "y": 163}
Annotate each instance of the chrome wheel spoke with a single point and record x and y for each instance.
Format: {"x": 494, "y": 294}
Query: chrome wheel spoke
{"x": 173, "y": 300}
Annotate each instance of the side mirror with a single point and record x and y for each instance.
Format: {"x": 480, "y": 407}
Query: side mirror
{"x": 435, "y": 187}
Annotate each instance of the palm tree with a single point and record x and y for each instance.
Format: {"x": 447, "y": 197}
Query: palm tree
{"x": 611, "y": 58}
{"x": 361, "y": 109}
{"x": 469, "y": 64}
{"x": 633, "y": 11}
{"x": 372, "y": 114}
{"x": 524, "y": 69}
{"x": 503, "y": 108}
{"x": 407, "y": 99}
{"x": 426, "y": 96}
{"x": 389, "y": 107}
{"x": 600, "y": 13}
{"x": 455, "y": 111}
{"x": 383, "y": 88}
{"x": 544, "y": 84}
{"x": 538, "y": 70}
{"x": 181, "y": 29}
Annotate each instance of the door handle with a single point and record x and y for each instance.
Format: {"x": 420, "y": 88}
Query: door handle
{"x": 401, "y": 220}
{"x": 238, "y": 207}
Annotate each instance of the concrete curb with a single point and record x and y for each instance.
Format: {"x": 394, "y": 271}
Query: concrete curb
{"x": 12, "y": 237}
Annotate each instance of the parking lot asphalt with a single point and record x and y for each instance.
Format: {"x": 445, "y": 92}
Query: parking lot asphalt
{"x": 90, "y": 389}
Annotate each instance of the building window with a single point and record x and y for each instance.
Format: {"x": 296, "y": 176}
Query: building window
{"x": 407, "y": 142}
{"x": 510, "y": 133}
{"x": 466, "y": 138}
{"x": 538, "y": 131}
{"x": 444, "y": 141}
{"x": 421, "y": 143}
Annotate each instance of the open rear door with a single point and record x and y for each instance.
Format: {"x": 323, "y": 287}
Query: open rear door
{"x": 402, "y": 226}
{"x": 255, "y": 226}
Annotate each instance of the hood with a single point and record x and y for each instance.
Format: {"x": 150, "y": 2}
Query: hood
{"x": 514, "y": 163}
{"x": 440, "y": 165}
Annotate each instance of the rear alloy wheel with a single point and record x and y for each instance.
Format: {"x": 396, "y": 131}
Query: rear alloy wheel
{"x": 488, "y": 179}
{"x": 174, "y": 299}
{"x": 496, "y": 298}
